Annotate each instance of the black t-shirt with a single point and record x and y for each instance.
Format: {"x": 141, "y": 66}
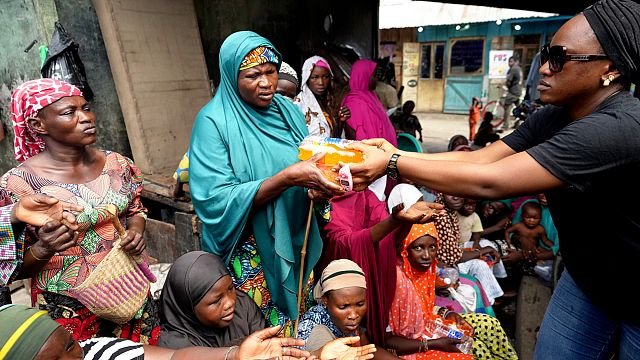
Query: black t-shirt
{"x": 598, "y": 213}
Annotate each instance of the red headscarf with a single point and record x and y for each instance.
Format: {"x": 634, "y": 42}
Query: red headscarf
{"x": 26, "y": 101}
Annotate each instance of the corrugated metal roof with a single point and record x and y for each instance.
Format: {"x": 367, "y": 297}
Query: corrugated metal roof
{"x": 407, "y": 13}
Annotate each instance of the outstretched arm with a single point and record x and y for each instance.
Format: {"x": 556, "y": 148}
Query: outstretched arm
{"x": 514, "y": 174}
{"x": 494, "y": 152}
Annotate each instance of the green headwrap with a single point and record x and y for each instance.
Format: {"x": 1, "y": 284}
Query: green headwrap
{"x": 24, "y": 331}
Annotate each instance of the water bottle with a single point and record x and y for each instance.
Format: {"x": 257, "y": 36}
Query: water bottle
{"x": 447, "y": 276}
{"x": 438, "y": 329}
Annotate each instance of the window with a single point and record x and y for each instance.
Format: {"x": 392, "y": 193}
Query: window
{"x": 431, "y": 62}
{"x": 439, "y": 62}
{"x": 425, "y": 62}
{"x": 467, "y": 57}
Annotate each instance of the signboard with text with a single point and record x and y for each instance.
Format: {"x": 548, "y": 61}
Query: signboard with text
{"x": 499, "y": 63}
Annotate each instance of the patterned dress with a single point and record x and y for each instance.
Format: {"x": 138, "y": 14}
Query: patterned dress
{"x": 245, "y": 267}
{"x": 120, "y": 184}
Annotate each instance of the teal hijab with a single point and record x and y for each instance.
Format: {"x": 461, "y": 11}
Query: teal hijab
{"x": 234, "y": 148}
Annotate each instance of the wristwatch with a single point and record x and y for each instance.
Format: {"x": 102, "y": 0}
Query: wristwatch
{"x": 392, "y": 167}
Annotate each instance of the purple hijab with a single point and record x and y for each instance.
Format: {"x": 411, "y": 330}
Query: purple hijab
{"x": 368, "y": 117}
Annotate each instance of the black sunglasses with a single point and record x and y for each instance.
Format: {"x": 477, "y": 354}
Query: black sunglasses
{"x": 557, "y": 55}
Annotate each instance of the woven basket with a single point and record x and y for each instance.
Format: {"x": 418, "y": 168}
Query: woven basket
{"x": 116, "y": 289}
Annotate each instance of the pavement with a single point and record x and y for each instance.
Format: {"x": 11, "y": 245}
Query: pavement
{"x": 438, "y": 128}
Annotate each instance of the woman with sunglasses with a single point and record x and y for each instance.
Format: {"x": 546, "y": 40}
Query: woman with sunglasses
{"x": 584, "y": 146}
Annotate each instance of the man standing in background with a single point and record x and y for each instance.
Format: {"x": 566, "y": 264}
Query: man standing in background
{"x": 514, "y": 90}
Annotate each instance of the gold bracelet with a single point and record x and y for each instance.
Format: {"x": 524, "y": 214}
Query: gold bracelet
{"x": 34, "y": 255}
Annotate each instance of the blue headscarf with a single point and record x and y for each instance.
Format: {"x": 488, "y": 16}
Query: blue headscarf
{"x": 234, "y": 148}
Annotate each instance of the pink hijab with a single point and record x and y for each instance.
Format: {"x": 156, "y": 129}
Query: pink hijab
{"x": 368, "y": 117}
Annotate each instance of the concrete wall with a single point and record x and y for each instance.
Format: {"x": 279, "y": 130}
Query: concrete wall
{"x": 294, "y": 27}
{"x": 80, "y": 20}
{"x": 23, "y": 21}
{"x": 269, "y": 18}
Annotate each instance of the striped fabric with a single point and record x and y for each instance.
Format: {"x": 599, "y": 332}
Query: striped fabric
{"x": 112, "y": 349}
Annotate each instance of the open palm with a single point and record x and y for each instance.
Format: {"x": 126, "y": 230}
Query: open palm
{"x": 38, "y": 209}
{"x": 341, "y": 349}
{"x": 419, "y": 213}
{"x": 262, "y": 345}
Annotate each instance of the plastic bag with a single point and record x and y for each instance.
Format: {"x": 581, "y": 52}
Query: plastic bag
{"x": 63, "y": 62}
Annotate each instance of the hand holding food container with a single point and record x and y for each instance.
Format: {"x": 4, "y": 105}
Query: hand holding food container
{"x": 336, "y": 152}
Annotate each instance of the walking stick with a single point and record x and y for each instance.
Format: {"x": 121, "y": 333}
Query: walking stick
{"x": 303, "y": 254}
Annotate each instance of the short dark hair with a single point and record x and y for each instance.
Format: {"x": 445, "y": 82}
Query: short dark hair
{"x": 532, "y": 205}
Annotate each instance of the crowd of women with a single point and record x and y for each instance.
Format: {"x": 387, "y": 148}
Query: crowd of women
{"x": 362, "y": 274}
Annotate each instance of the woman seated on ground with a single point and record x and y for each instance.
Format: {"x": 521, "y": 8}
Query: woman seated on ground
{"x": 407, "y": 195}
{"x": 55, "y": 132}
{"x": 200, "y": 307}
{"x": 30, "y": 334}
{"x": 342, "y": 306}
{"x": 360, "y": 229}
{"x": 485, "y": 135}
{"x": 414, "y": 305}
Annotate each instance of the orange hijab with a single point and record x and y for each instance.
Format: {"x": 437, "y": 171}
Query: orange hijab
{"x": 423, "y": 282}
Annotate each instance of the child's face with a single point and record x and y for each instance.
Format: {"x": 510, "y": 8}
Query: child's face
{"x": 531, "y": 217}
{"x": 492, "y": 208}
{"x": 216, "y": 309}
{"x": 422, "y": 252}
{"x": 469, "y": 207}
{"x": 453, "y": 202}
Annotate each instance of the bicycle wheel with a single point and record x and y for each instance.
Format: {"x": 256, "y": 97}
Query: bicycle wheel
{"x": 497, "y": 110}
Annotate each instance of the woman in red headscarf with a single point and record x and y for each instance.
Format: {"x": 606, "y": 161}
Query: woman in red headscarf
{"x": 414, "y": 308}
{"x": 54, "y": 132}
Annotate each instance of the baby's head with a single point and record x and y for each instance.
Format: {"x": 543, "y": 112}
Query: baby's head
{"x": 469, "y": 207}
{"x": 531, "y": 214}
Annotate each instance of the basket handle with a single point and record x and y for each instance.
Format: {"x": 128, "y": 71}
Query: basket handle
{"x": 144, "y": 267}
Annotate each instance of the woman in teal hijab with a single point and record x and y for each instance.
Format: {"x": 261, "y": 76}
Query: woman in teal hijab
{"x": 247, "y": 184}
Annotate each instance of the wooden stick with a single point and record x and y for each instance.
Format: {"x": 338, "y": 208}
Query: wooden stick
{"x": 111, "y": 209}
{"x": 303, "y": 254}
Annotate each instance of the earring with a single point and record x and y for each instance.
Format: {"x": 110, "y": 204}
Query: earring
{"x": 608, "y": 80}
